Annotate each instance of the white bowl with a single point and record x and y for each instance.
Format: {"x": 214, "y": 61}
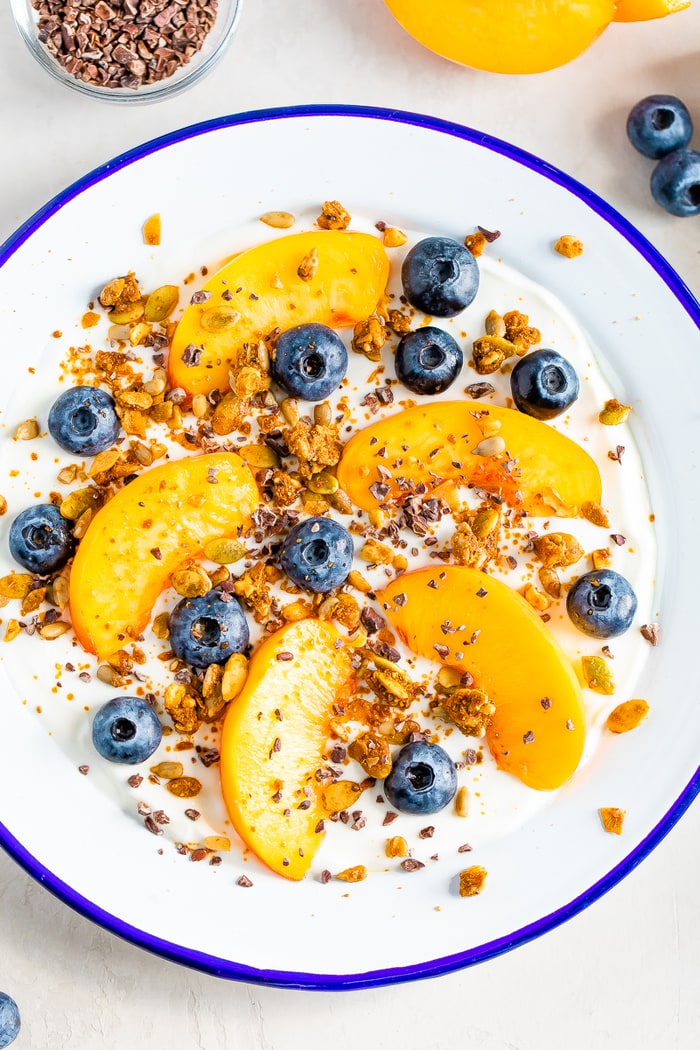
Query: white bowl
{"x": 69, "y": 832}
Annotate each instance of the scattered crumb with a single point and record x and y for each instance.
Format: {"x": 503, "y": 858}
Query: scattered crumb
{"x": 612, "y": 819}
{"x": 568, "y": 246}
{"x": 471, "y": 881}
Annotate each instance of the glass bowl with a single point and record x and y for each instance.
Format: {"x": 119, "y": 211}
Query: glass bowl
{"x": 214, "y": 43}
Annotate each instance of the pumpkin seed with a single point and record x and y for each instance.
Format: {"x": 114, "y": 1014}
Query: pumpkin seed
{"x": 323, "y": 483}
{"x": 627, "y": 716}
{"x": 490, "y": 446}
{"x": 129, "y": 314}
{"x": 279, "y": 220}
{"x": 219, "y": 318}
{"x": 184, "y": 787}
{"x": 161, "y": 303}
{"x": 598, "y": 675}
{"x": 168, "y": 770}
{"x": 259, "y": 456}
{"x": 484, "y": 522}
{"x": 341, "y": 502}
{"x": 49, "y": 631}
{"x": 225, "y": 551}
{"x": 323, "y": 414}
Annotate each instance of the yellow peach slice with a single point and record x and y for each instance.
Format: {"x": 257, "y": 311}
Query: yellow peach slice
{"x": 645, "y": 10}
{"x": 273, "y": 741}
{"x": 473, "y": 622}
{"x": 539, "y": 469}
{"x": 146, "y": 531}
{"x": 260, "y": 290}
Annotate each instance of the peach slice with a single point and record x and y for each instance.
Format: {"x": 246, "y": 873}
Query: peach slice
{"x": 542, "y": 470}
{"x": 645, "y": 10}
{"x": 145, "y": 532}
{"x": 273, "y": 741}
{"x": 260, "y": 290}
{"x": 476, "y": 623}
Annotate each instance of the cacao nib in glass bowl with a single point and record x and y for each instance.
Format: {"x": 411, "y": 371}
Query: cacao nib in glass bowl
{"x": 127, "y": 50}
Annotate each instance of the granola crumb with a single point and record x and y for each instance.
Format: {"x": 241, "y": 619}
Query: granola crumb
{"x": 308, "y": 266}
{"x": 557, "y": 549}
{"x": 475, "y": 243}
{"x": 394, "y": 237}
{"x": 472, "y": 880}
{"x": 612, "y": 819}
{"x": 613, "y": 413}
{"x": 355, "y": 874}
{"x": 152, "y": 230}
{"x": 396, "y": 846}
{"x": 568, "y": 246}
{"x": 333, "y": 216}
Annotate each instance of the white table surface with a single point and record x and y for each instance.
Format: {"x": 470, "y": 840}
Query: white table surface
{"x": 624, "y": 974}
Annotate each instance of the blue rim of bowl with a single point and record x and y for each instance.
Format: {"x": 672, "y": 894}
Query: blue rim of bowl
{"x": 435, "y": 967}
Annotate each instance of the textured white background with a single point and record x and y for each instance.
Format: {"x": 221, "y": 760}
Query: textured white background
{"x": 623, "y": 975}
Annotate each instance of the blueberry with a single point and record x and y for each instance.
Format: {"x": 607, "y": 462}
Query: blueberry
{"x": 9, "y": 1020}
{"x": 658, "y": 125}
{"x": 208, "y": 629}
{"x": 428, "y": 360}
{"x": 423, "y": 779}
{"x": 544, "y": 384}
{"x": 126, "y": 729}
{"x": 310, "y": 361}
{"x": 440, "y": 276}
{"x": 317, "y": 554}
{"x": 601, "y": 604}
{"x": 675, "y": 182}
{"x": 82, "y": 420}
{"x": 40, "y": 538}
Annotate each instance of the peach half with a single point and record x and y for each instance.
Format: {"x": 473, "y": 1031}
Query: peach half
{"x": 474, "y": 622}
{"x": 260, "y": 290}
{"x": 540, "y": 469}
{"x": 273, "y": 741}
{"x": 146, "y": 531}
